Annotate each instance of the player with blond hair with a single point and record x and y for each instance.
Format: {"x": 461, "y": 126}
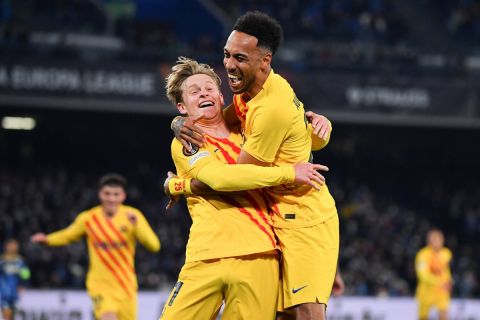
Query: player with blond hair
{"x": 231, "y": 252}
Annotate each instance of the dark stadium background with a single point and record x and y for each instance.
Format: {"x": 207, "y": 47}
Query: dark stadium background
{"x": 398, "y": 79}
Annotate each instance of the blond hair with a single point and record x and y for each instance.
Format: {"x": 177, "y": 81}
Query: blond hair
{"x": 184, "y": 68}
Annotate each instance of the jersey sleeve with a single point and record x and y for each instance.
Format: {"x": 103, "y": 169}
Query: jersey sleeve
{"x": 219, "y": 176}
{"x": 268, "y": 131}
{"x": 68, "y": 235}
{"x": 24, "y": 274}
{"x": 145, "y": 235}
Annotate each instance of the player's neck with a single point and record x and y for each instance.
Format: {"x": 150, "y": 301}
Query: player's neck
{"x": 215, "y": 127}
{"x": 257, "y": 86}
{"x": 109, "y": 213}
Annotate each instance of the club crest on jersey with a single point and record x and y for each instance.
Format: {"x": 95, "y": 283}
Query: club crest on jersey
{"x": 190, "y": 153}
{"x": 124, "y": 229}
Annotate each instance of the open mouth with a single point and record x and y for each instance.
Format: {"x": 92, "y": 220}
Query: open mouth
{"x": 206, "y": 104}
{"x": 234, "y": 80}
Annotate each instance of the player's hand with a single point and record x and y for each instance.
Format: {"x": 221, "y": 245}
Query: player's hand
{"x": 39, "y": 238}
{"x": 187, "y": 132}
{"x": 338, "y": 285}
{"x": 306, "y": 173}
{"x": 132, "y": 217}
{"x": 320, "y": 124}
{"x": 172, "y": 199}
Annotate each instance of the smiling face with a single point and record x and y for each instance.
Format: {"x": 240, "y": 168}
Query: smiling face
{"x": 201, "y": 96}
{"x": 111, "y": 197}
{"x": 245, "y": 63}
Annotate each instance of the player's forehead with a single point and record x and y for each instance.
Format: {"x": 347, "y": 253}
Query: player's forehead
{"x": 111, "y": 189}
{"x": 435, "y": 235}
{"x": 240, "y": 43}
{"x": 198, "y": 80}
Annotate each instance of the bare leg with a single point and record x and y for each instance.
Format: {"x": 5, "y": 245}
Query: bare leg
{"x": 443, "y": 314}
{"x": 309, "y": 311}
{"x": 109, "y": 316}
{"x": 284, "y": 316}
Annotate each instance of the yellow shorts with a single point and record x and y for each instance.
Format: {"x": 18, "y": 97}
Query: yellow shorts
{"x": 440, "y": 301}
{"x": 124, "y": 308}
{"x": 247, "y": 284}
{"x": 309, "y": 263}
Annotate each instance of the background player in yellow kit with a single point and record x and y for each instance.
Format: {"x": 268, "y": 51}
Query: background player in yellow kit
{"x": 432, "y": 264}
{"x": 230, "y": 253}
{"x": 111, "y": 230}
{"x": 277, "y": 133}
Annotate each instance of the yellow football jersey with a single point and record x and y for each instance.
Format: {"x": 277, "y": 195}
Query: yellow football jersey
{"x": 111, "y": 247}
{"x": 433, "y": 271}
{"x": 233, "y": 224}
{"x": 277, "y": 132}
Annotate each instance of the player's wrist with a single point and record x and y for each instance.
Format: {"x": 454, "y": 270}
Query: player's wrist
{"x": 179, "y": 186}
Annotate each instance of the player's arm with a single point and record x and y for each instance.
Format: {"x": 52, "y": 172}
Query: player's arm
{"x": 24, "y": 274}
{"x": 144, "y": 233}
{"x": 320, "y": 128}
{"x": 422, "y": 269}
{"x": 62, "y": 237}
{"x": 219, "y": 176}
{"x": 267, "y": 134}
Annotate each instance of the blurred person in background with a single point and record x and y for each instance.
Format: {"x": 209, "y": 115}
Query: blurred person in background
{"x": 14, "y": 274}
{"x": 432, "y": 265}
{"x": 111, "y": 230}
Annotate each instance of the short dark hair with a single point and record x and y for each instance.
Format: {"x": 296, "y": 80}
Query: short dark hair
{"x": 263, "y": 27}
{"x": 113, "y": 180}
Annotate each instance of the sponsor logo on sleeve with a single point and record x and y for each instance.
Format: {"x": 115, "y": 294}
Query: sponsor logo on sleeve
{"x": 197, "y": 157}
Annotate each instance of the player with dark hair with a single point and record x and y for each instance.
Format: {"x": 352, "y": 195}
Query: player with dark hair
{"x": 14, "y": 275}
{"x": 432, "y": 265}
{"x": 111, "y": 230}
{"x": 275, "y": 125}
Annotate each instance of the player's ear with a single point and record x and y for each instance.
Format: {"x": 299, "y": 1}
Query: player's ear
{"x": 222, "y": 101}
{"x": 181, "y": 108}
{"x": 267, "y": 59}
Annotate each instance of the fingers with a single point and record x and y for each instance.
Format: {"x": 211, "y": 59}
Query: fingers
{"x": 190, "y": 137}
{"x": 309, "y": 115}
{"x": 169, "y": 205}
{"x": 196, "y": 117}
{"x": 320, "y": 167}
{"x": 318, "y": 178}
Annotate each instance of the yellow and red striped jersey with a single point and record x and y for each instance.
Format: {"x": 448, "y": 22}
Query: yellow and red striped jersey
{"x": 111, "y": 246}
{"x": 226, "y": 225}
{"x": 433, "y": 270}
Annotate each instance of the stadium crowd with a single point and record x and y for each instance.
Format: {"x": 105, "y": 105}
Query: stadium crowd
{"x": 383, "y": 219}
